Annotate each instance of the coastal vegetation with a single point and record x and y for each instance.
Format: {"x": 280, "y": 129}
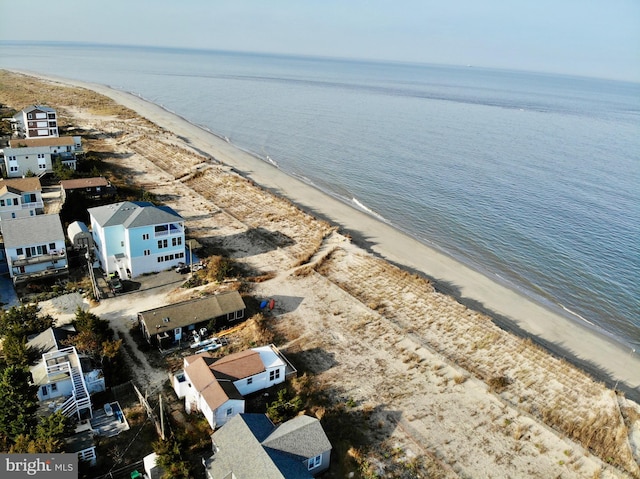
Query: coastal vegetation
{"x": 406, "y": 381}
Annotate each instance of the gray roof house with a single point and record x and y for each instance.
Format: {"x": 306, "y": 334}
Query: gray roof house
{"x": 35, "y": 247}
{"x": 134, "y": 238}
{"x": 250, "y": 446}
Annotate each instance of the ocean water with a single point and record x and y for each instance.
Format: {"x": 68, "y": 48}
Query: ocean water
{"x": 532, "y": 179}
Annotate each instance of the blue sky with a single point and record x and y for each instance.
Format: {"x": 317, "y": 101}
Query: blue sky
{"x": 585, "y": 37}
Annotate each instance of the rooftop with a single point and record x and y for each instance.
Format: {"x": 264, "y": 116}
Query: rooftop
{"x": 20, "y": 185}
{"x": 182, "y": 314}
{"x": 84, "y": 183}
{"x": 32, "y": 230}
{"x": 133, "y": 214}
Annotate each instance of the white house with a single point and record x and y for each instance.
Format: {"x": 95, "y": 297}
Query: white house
{"x": 133, "y": 238}
{"x": 217, "y": 387}
{"x": 38, "y": 155}
{"x": 35, "y": 247}
{"x": 20, "y": 197}
{"x": 36, "y": 121}
{"x": 65, "y": 380}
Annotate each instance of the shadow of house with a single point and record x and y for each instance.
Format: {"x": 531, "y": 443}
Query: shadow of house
{"x": 251, "y": 242}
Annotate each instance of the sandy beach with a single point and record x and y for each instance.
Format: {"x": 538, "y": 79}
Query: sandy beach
{"x": 437, "y": 360}
{"x": 567, "y": 338}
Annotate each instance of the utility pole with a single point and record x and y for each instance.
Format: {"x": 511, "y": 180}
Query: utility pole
{"x": 161, "y": 418}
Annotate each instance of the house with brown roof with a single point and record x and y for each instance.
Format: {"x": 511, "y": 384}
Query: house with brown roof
{"x": 89, "y": 188}
{"x": 38, "y": 155}
{"x": 175, "y": 323}
{"x": 217, "y": 387}
{"x": 20, "y": 198}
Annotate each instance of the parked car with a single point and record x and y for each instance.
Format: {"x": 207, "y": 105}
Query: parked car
{"x": 116, "y": 285}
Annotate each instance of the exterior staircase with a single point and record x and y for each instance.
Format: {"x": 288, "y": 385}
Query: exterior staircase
{"x": 79, "y": 399}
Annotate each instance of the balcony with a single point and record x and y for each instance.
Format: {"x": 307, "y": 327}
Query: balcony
{"x": 53, "y": 255}
{"x": 32, "y": 205}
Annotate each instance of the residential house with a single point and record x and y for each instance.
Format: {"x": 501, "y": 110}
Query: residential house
{"x": 89, "y": 188}
{"x": 64, "y": 378}
{"x": 250, "y": 446}
{"x": 167, "y": 325}
{"x": 134, "y": 238}
{"x": 34, "y": 247}
{"x": 217, "y": 387}
{"x": 39, "y": 155}
{"x": 20, "y": 197}
{"x": 35, "y": 121}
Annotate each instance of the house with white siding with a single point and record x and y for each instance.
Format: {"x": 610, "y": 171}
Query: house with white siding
{"x": 20, "y": 197}
{"x": 39, "y": 155}
{"x": 35, "y": 121}
{"x": 65, "y": 379}
{"x": 134, "y": 238}
{"x": 217, "y": 387}
{"x": 34, "y": 247}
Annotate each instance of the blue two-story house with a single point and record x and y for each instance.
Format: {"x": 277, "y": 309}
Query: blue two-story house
{"x": 134, "y": 238}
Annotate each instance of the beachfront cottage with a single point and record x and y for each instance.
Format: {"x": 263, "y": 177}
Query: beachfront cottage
{"x": 20, "y": 197}
{"x": 217, "y": 387}
{"x": 35, "y": 121}
{"x": 39, "y": 155}
{"x": 250, "y": 446}
{"x": 175, "y": 323}
{"x": 134, "y": 238}
{"x": 65, "y": 379}
{"x": 35, "y": 247}
{"x": 87, "y": 188}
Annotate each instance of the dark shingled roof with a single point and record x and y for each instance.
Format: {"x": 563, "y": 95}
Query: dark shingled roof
{"x": 191, "y": 312}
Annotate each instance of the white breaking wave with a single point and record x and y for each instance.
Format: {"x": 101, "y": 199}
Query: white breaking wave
{"x": 367, "y": 210}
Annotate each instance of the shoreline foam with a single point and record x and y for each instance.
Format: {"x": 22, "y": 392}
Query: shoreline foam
{"x": 591, "y": 349}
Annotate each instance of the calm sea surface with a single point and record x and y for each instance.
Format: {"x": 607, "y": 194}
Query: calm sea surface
{"x": 532, "y": 179}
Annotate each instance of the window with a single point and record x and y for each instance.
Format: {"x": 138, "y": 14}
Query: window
{"x": 161, "y": 230}
{"x": 13, "y": 215}
{"x": 19, "y": 251}
{"x": 45, "y": 391}
{"x": 42, "y": 166}
{"x": 54, "y": 387}
{"x": 160, "y": 259}
{"x": 163, "y": 244}
{"x": 15, "y": 202}
{"x": 229, "y": 411}
{"x": 249, "y": 381}
{"x": 13, "y": 168}
{"x": 52, "y": 246}
{"x": 1, "y": 202}
{"x": 314, "y": 462}
{"x": 147, "y": 252}
{"x": 122, "y": 243}
{"x": 145, "y": 236}
{"x": 176, "y": 241}
{"x": 273, "y": 375}
{"x": 30, "y": 116}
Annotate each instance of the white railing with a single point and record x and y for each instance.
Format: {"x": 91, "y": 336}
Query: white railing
{"x": 88, "y": 455}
